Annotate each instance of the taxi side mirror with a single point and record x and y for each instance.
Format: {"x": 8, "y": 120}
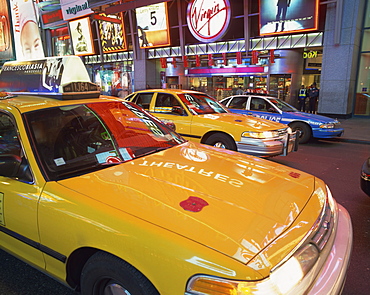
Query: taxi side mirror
{"x": 9, "y": 165}
{"x": 15, "y": 166}
{"x": 178, "y": 110}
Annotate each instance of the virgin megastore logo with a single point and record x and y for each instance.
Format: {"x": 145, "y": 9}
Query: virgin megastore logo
{"x": 208, "y": 20}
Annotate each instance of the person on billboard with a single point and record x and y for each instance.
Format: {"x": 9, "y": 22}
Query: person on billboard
{"x": 282, "y": 8}
{"x": 30, "y": 39}
{"x": 81, "y": 44}
{"x": 143, "y": 41}
{"x": 52, "y": 74}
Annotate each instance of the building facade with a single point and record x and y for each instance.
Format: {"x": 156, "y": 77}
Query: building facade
{"x": 217, "y": 47}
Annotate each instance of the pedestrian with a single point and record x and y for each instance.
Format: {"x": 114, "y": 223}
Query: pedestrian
{"x": 239, "y": 91}
{"x": 302, "y": 95}
{"x": 313, "y": 95}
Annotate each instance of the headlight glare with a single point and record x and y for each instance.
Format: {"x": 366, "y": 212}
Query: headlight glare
{"x": 281, "y": 281}
{"x": 260, "y": 135}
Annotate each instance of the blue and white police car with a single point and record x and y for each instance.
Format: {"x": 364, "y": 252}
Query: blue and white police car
{"x": 274, "y": 109}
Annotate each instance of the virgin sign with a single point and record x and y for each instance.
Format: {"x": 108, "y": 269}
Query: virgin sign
{"x": 208, "y": 20}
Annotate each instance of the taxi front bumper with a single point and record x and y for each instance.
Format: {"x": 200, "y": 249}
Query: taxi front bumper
{"x": 269, "y": 147}
{"x": 333, "y": 273}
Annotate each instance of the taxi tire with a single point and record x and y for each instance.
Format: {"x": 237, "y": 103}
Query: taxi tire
{"x": 304, "y": 129}
{"x": 221, "y": 140}
{"x": 104, "y": 273}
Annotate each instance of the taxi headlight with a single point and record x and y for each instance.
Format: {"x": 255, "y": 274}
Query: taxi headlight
{"x": 281, "y": 281}
{"x": 327, "y": 125}
{"x": 260, "y": 135}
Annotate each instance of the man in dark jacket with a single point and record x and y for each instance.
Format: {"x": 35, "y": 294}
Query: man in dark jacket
{"x": 313, "y": 95}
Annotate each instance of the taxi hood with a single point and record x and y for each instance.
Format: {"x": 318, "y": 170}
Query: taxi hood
{"x": 233, "y": 119}
{"x": 225, "y": 200}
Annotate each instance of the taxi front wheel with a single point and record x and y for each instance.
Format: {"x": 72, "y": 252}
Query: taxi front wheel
{"x": 221, "y": 141}
{"x": 107, "y": 274}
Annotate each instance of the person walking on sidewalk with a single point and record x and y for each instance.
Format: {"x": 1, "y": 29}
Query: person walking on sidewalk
{"x": 313, "y": 95}
{"x": 302, "y": 94}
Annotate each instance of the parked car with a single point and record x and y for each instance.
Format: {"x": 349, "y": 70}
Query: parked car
{"x": 365, "y": 177}
{"x": 100, "y": 195}
{"x": 200, "y": 118}
{"x": 274, "y": 109}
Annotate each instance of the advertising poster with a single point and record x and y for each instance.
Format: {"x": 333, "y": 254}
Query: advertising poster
{"x": 6, "y": 44}
{"x": 286, "y": 16}
{"x": 80, "y": 31}
{"x": 152, "y": 25}
{"x": 112, "y": 34}
{"x": 26, "y": 32}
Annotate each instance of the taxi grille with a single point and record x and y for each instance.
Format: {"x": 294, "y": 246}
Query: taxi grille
{"x": 324, "y": 228}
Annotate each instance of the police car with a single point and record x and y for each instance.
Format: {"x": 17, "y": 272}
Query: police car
{"x": 100, "y": 195}
{"x": 274, "y": 109}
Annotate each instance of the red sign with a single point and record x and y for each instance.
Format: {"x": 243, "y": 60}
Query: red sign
{"x": 52, "y": 17}
{"x": 208, "y": 20}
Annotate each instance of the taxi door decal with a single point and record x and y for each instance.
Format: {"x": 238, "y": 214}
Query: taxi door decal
{"x": 2, "y": 221}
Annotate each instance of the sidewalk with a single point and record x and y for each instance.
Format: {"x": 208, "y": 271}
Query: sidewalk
{"x": 356, "y": 130}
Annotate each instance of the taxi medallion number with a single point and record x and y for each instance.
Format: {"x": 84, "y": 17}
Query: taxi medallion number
{"x": 80, "y": 87}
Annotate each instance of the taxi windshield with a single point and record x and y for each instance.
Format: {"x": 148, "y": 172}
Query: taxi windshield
{"x": 199, "y": 104}
{"x": 282, "y": 105}
{"x": 77, "y": 139}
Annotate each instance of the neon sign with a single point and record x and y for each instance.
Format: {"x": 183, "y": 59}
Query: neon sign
{"x": 208, "y": 20}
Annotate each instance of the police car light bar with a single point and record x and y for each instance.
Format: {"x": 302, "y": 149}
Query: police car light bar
{"x": 62, "y": 77}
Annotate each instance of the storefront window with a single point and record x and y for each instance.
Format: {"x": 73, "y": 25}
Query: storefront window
{"x": 61, "y": 42}
{"x": 114, "y": 79}
{"x": 362, "y": 101}
{"x": 362, "y": 105}
{"x": 280, "y": 86}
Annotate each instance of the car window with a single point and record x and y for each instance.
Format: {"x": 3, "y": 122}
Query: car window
{"x": 9, "y": 141}
{"x": 282, "y": 105}
{"x": 77, "y": 139}
{"x": 258, "y": 104}
{"x": 238, "y": 102}
{"x": 143, "y": 100}
{"x": 165, "y": 103}
{"x": 199, "y": 104}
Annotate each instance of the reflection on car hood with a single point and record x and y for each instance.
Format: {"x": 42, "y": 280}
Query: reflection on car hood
{"x": 236, "y": 205}
{"x": 252, "y": 123}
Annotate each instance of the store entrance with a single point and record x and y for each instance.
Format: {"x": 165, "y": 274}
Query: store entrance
{"x": 220, "y": 87}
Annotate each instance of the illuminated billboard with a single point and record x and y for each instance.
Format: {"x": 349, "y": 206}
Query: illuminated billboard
{"x": 112, "y": 33}
{"x": 81, "y": 36}
{"x": 287, "y": 16}
{"x": 6, "y": 45}
{"x": 152, "y": 25}
{"x": 26, "y": 32}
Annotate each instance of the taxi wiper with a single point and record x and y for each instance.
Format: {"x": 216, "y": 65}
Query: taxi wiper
{"x": 158, "y": 149}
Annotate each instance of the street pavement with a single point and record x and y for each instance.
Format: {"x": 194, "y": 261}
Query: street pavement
{"x": 356, "y": 130}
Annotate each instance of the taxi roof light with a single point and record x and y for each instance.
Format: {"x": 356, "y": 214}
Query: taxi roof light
{"x": 61, "y": 77}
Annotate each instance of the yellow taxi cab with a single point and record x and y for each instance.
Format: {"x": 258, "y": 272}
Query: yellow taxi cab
{"x": 200, "y": 118}
{"x": 102, "y": 196}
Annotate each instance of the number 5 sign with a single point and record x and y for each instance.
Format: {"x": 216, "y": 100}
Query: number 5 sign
{"x": 152, "y": 25}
